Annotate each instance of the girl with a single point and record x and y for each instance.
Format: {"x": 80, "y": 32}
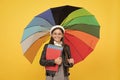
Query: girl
{"x": 64, "y": 61}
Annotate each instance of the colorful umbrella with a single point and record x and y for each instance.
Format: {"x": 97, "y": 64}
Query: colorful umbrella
{"x": 81, "y": 31}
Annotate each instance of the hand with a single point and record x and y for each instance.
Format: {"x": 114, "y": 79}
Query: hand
{"x": 58, "y": 60}
{"x": 71, "y": 60}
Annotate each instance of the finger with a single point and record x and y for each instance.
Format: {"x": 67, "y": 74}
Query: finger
{"x": 60, "y": 57}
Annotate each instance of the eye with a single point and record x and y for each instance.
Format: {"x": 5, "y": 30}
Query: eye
{"x": 59, "y": 34}
{"x": 54, "y": 33}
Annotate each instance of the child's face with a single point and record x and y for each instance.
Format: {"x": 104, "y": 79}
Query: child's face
{"x": 57, "y": 35}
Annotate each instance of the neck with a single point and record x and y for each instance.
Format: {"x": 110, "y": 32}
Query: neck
{"x": 58, "y": 41}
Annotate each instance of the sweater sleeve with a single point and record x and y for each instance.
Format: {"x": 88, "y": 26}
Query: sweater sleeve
{"x": 69, "y": 55}
{"x": 68, "y": 51}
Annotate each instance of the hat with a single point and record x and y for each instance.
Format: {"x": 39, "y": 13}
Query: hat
{"x": 56, "y": 26}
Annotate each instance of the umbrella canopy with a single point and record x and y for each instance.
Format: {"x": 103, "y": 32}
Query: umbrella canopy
{"x": 81, "y": 31}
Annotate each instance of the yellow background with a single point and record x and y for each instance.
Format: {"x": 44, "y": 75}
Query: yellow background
{"x": 102, "y": 64}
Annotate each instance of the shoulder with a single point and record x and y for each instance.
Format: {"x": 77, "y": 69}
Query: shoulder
{"x": 45, "y": 46}
{"x": 65, "y": 45}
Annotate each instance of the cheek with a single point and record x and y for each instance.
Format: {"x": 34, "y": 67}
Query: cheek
{"x": 61, "y": 36}
{"x": 53, "y": 36}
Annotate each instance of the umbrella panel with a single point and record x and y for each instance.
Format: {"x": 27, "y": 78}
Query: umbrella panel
{"x": 60, "y": 13}
{"x": 38, "y": 21}
{"x": 79, "y": 50}
{"x": 48, "y": 16}
{"x": 90, "y": 29}
{"x": 90, "y": 20}
{"x": 88, "y": 39}
{"x": 75, "y": 14}
{"x": 32, "y": 51}
{"x": 30, "y": 40}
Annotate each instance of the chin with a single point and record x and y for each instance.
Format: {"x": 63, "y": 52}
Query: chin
{"x": 57, "y": 40}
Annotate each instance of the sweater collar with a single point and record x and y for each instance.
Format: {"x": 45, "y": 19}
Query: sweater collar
{"x": 58, "y": 44}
